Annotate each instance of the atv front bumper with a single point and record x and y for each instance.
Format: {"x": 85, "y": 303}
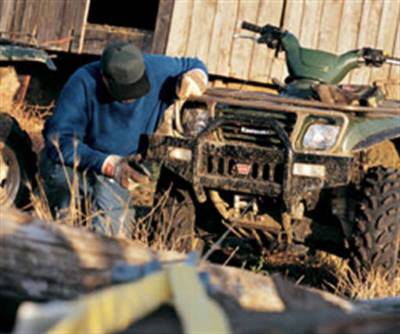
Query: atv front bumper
{"x": 206, "y": 163}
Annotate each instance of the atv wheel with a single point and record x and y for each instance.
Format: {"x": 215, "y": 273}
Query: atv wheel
{"x": 375, "y": 238}
{"x": 175, "y": 221}
{"x": 17, "y": 163}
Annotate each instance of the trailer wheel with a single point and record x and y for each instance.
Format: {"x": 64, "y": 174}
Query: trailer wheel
{"x": 375, "y": 238}
{"x": 17, "y": 163}
{"x": 176, "y": 218}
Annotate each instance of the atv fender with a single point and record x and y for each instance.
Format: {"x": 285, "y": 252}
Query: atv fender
{"x": 364, "y": 134}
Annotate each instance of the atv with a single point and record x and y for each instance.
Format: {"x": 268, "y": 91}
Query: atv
{"x": 317, "y": 165}
{"x": 17, "y": 159}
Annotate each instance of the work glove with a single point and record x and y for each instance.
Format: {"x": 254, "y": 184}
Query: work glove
{"x": 127, "y": 171}
{"x": 192, "y": 83}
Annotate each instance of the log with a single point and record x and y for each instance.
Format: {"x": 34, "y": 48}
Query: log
{"x": 43, "y": 261}
{"x": 46, "y": 261}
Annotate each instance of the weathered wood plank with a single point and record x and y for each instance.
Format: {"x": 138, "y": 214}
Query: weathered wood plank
{"x": 386, "y": 37}
{"x": 180, "y": 28}
{"x": 228, "y": 9}
{"x": 263, "y": 59}
{"x": 367, "y": 36}
{"x": 18, "y": 12}
{"x": 67, "y": 36}
{"x": 329, "y": 24}
{"x": 199, "y": 41}
{"x": 293, "y": 16}
{"x": 394, "y": 89}
{"x": 240, "y": 57}
{"x": 349, "y": 28}
{"x": 6, "y": 14}
{"x": 163, "y": 24}
{"x": 312, "y": 12}
{"x": 350, "y": 25}
{"x": 22, "y": 20}
{"x": 54, "y": 24}
{"x": 222, "y": 37}
{"x": 213, "y": 52}
{"x": 79, "y": 28}
{"x": 98, "y": 36}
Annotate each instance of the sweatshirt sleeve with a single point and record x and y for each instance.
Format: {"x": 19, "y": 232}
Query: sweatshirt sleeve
{"x": 166, "y": 70}
{"x": 182, "y": 65}
{"x": 64, "y": 132}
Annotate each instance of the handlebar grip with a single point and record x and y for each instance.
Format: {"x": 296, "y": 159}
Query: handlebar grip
{"x": 373, "y": 57}
{"x": 251, "y": 27}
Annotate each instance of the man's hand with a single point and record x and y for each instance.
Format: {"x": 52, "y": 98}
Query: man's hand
{"x": 192, "y": 83}
{"x": 121, "y": 170}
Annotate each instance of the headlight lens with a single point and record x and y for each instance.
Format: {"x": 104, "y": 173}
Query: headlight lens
{"x": 321, "y": 136}
{"x": 194, "y": 120}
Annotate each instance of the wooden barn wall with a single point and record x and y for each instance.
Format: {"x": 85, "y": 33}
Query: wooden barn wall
{"x": 55, "y": 24}
{"x": 205, "y": 28}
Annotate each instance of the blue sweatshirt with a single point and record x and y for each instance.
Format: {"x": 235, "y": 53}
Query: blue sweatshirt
{"x": 89, "y": 125}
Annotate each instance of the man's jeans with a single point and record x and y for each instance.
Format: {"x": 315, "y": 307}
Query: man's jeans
{"x": 109, "y": 201}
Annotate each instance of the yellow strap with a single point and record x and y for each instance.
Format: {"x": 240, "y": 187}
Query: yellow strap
{"x": 198, "y": 312}
{"x": 114, "y": 309}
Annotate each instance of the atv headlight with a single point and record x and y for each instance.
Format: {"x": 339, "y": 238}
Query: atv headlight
{"x": 194, "y": 120}
{"x": 321, "y": 136}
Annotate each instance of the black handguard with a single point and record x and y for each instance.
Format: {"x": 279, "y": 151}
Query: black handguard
{"x": 271, "y": 36}
{"x": 373, "y": 57}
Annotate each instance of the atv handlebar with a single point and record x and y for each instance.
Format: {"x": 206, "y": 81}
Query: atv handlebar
{"x": 324, "y": 67}
{"x": 251, "y": 27}
{"x": 270, "y": 34}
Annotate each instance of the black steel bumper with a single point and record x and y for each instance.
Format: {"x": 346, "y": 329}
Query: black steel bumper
{"x": 267, "y": 171}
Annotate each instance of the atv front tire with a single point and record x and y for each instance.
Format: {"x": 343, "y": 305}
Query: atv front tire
{"x": 17, "y": 163}
{"x": 375, "y": 239}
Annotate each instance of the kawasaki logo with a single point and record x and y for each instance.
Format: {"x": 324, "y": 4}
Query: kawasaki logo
{"x": 243, "y": 129}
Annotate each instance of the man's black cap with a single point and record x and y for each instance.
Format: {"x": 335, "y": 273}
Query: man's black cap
{"x": 123, "y": 67}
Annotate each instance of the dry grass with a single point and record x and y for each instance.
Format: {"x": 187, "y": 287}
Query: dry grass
{"x": 31, "y": 119}
{"x": 78, "y": 213}
{"x": 349, "y": 284}
{"x": 377, "y": 285}
{"x": 331, "y": 273}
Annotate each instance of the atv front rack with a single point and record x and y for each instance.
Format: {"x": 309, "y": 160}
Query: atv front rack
{"x": 391, "y": 108}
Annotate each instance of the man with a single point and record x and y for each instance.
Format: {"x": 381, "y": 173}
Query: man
{"x": 100, "y": 115}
